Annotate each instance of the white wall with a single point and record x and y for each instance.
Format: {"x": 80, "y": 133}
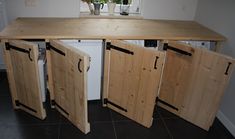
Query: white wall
{"x": 151, "y": 9}
{"x": 42, "y": 8}
{"x": 169, "y": 9}
{"x": 3, "y": 22}
{"x": 219, "y": 15}
{"x": 3, "y": 17}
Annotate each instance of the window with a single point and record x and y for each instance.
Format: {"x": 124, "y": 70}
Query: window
{"x": 135, "y": 7}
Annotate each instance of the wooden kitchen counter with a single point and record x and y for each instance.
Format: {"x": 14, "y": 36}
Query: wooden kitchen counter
{"x": 75, "y": 28}
{"x": 182, "y": 79}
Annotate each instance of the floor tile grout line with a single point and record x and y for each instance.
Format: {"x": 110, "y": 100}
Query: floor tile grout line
{"x": 33, "y": 124}
{"x": 167, "y": 118}
{"x": 119, "y": 121}
{"x": 100, "y": 122}
{"x": 95, "y": 122}
{"x": 5, "y": 96}
{"x": 168, "y": 130}
{"x": 59, "y": 127}
{"x": 114, "y": 129}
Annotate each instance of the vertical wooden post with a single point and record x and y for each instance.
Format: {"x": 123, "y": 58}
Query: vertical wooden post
{"x": 106, "y": 66}
{"x": 49, "y": 73}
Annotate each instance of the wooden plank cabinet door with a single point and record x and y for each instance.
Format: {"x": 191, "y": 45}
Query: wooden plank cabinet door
{"x": 21, "y": 58}
{"x": 193, "y": 82}
{"x": 67, "y": 72}
{"x": 131, "y": 80}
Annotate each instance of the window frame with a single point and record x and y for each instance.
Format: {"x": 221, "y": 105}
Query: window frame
{"x": 133, "y": 8}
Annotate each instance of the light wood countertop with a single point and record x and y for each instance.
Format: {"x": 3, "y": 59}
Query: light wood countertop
{"x": 83, "y": 28}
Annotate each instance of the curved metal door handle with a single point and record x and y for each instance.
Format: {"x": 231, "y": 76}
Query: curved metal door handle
{"x": 30, "y": 55}
{"x": 155, "y": 63}
{"x": 79, "y": 63}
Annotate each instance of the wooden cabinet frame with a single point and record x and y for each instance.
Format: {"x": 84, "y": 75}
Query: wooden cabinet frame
{"x": 21, "y": 56}
{"x": 54, "y": 28}
{"x": 67, "y": 72}
{"x": 193, "y": 82}
{"x": 21, "y": 59}
{"x": 162, "y": 99}
{"x": 131, "y": 80}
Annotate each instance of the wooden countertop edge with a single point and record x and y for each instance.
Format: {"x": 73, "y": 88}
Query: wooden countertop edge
{"x": 116, "y": 38}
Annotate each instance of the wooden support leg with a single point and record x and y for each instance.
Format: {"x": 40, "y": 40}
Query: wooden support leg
{"x": 106, "y": 65}
{"x": 49, "y": 73}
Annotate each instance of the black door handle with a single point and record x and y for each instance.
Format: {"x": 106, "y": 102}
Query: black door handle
{"x": 88, "y": 68}
{"x": 30, "y": 55}
{"x": 229, "y": 64}
{"x": 79, "y": 63}
{"x": 155, "y": 63}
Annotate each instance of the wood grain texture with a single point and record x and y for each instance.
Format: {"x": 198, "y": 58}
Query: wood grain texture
{"x": 69, "y": 28}
{"x": 25, "y": 74}
{"x": 50, "y": 86}
{"x": 195, "y": 84}
{"x": 133, "y": 81}
{"x": 176, "y": 75}
{"x": 106, "y": 75}
{"x": 10, "y": 76}
{"x": 69, "y": 82}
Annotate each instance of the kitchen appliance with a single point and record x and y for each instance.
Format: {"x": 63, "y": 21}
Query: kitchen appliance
{"x": 42, "y": 71}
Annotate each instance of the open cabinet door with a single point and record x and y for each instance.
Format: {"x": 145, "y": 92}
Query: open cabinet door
{"x": 21, "y": 58}
{"x": 193, "y": 82}
{"x": 131, "y": 80}
{"x": 67, "y": 72}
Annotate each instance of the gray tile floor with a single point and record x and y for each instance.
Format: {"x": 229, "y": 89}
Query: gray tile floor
{"x": 105, "y": 124}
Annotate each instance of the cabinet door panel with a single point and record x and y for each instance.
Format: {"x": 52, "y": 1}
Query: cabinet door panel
{"x": 22, "y": 61}
{"x": 68, "y": 84}
{"x": 132, "y": 78}
{"x": 94, "y": 49}
{"x": 195, "y": 84}
{"x": 176, "y": 76}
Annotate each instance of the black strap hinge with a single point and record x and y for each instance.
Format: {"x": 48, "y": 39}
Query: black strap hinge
{"x": 53, "y": 103}
{"x": 50, "y": 47}
{"x": 109, "y": 46}
{"x": 17, "y": 102}
{"x": 9, "y": 47}
{"x": 227, "y": 69}
{"x": 165, "y": 103}
{"x": 166, "y": 47}
{"x": 106, "y": 101}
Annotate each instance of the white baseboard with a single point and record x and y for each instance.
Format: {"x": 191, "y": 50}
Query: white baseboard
{"x": 226, "y": 122}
